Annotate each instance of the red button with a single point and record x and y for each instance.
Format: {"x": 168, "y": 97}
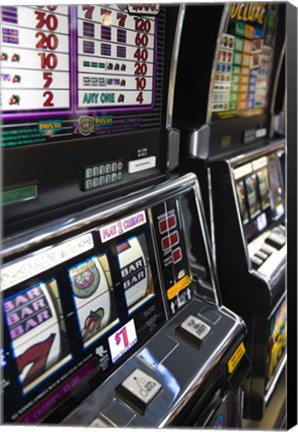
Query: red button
{"x": 174, "y": 238}
{"x": 177, "y": 255}
{"x": 165, "y": 243}
{"x": 162, "y": 226}
{"x": 167, "y": 223}
{"x": 172, "y": 221}
{"x": 170, "y": 240}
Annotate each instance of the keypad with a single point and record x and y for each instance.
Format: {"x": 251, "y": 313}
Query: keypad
{"x": 103, "y": 174}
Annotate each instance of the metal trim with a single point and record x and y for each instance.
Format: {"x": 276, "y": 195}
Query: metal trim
{"x": 158, "y": 267}
{"x": 273, "y": 146}
{"x": 174, "y": 65}
{"x": 275, "y": 379}
{"x": 21, "y": 242}
{"x": 277, "y": 76}
{"x": 206, "y": 239}
{"x": 223, "y": 24}
{"x": 241, "y": 226}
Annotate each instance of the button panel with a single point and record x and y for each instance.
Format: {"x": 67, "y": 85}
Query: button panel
{"x": 266, "y": 246}
{"x": 102, "y": 174}
{"x": 138, "y": 390}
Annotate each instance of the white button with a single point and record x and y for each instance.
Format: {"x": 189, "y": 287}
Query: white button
{"x": 141, "y": 164}
{"x": 195, "y": 327}
{"x": 88, "y": 173}
{"x": 141, "y": 385}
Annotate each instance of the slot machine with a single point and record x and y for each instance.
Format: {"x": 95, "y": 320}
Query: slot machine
{"x": 223, "y": 99}
{"x": 111, "y": 312}
{"x": 112, "y": 317}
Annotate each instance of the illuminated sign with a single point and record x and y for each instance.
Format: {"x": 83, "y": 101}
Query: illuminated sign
{"x": 122, "y": 226}
{"x": 253, "y": 12}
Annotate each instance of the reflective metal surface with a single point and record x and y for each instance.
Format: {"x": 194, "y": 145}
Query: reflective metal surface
{"x": 140, "y": 199}
{"x": 180, "y": 369}
{"x": 174, "y": 65}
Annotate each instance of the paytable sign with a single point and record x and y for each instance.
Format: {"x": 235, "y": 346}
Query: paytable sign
{"x": 73, "y": 59}
{"x": 120, "y": 48}
{"x": 35, "y": 58}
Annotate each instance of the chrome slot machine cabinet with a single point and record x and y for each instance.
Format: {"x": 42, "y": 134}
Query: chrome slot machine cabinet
{"x": 112, "y": 317}
{"x": 226, "y": 139}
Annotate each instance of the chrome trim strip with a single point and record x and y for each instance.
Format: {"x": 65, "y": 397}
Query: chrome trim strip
{"x": 158, "y": 267}
{"x": 212, "y": 78}
{"x": 174, "y": 65}
{"x": 241, "y": 226}
{"x": 212, "y": 223}
{"x": 199, "y": 142}
{"x": 277, "y": 77}
{"x": 278, "y": 304}
{"x": 207, "y": 242}
{"x": 259, "y": 152}
{"x": 21, "y": 242}
{"x": 275, "y": 380}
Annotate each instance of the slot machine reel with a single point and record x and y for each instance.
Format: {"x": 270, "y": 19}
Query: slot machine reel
{"x": 134, "y": 271}
{"x": 31, "y": 316}
{"x": 92, "y": 297}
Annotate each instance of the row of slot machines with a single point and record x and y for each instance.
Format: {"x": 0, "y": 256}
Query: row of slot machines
{"x": 144, "y": 249}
